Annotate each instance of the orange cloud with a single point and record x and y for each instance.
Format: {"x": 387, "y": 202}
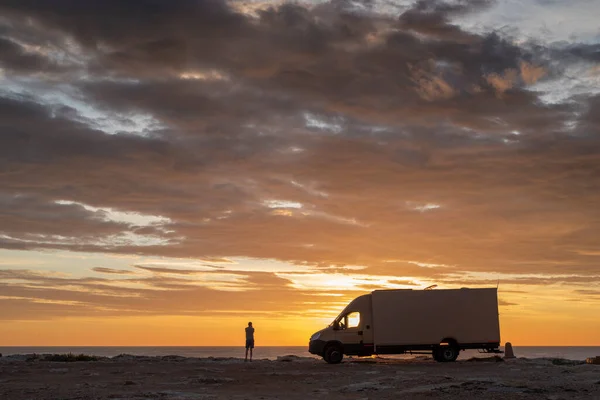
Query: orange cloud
{"x": 531, "y": 73}
{"x": 503, "y": 82}
{"x": 275, "y": 161}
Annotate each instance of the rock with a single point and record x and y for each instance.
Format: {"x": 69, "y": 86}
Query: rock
{"x": 173, "y": 358}
{"x": 210, "y": 370}
{"x": 486, "y": 359}
{"x": 17, "y": 357}
{"x": 508, "y": 351}
{"x": 290, "y": 358}
{"x": 562, "y": 361}
{"x": 171, "y": 394}
{"x": 593, "y": 360}
{"x": 210, "y": 380}
{"x": 287, "y": 358}
{"x": 364, "y": 386}
{"x": 228, "y": 360}
{"x": 534, "y": 390}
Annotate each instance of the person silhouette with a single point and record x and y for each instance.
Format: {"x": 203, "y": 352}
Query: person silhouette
{"x": 249, "y": 341}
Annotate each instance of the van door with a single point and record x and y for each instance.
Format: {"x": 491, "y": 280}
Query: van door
{"x": 352, "y": 332}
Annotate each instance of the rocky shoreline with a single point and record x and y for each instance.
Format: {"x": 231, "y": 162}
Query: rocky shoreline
{"x": 30, "y": 376}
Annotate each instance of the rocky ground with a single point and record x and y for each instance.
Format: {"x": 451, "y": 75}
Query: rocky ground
{"x": 130, "y": 377}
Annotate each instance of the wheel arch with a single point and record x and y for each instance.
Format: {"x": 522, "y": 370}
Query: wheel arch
{"x": 333, "y": 343}
{"x": 449, "y": 341}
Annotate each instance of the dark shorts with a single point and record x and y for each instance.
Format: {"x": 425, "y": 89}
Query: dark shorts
{"x": 249, "y": 344}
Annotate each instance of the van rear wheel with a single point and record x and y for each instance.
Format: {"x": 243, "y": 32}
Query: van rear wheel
{"x": 445, "y": 353}
{"x": 333, "y": 354}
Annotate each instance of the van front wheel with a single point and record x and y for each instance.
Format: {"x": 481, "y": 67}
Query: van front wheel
{"x": 333, "y": 354}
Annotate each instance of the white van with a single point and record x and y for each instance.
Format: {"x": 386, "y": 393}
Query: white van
{"x": 437, "y": 322}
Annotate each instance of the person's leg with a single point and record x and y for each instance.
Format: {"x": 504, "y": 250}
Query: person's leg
{"x": 246, "y": 358}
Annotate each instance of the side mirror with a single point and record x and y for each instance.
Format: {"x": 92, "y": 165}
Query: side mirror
{"x": 336, "y": 326}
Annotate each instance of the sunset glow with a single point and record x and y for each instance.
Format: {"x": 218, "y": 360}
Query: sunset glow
{"x": 190, "y": 166}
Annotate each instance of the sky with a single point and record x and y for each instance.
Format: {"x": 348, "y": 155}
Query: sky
{"x": 170, "y": 170}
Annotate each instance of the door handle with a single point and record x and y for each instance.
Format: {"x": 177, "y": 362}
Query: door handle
{"x": 360, "y": 333}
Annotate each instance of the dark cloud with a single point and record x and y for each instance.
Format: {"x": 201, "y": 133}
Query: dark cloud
{"x": 112, "y": 21}
{"x": 588, "y": 292}
{"x": 35, "y": 219}
{"x": 590, "y": 121}
{"x": 324, "y": 136}
{"x": 589, "y": 52}
{"x": 575, "y": 280}
{"x": 432, "y": 18}
{"x": 14, "y": 57}
{"x": 179, "y": 271}
{"x": 104, "y": 270}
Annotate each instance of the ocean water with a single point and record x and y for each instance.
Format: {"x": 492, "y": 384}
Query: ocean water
{"x": 272, "y": 352}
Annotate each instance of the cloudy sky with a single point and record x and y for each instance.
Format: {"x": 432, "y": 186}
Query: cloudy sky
{"x": 170, "y": 170}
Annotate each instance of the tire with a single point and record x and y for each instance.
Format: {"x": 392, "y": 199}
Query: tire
{"x": 446, "y": 353}
{"x": 333, "y": 354}
{"x": 435, "y": 354}
{"x": 325, "y": 357}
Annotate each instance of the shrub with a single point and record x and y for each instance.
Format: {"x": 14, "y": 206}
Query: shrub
{"x": 562, "y": 361}
{"x": 69, "y": 357}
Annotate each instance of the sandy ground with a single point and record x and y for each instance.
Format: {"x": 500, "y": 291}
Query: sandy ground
{"x": 129, "y": 377}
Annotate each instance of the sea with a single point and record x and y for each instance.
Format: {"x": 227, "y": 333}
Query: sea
{"x": 272, "y": 352}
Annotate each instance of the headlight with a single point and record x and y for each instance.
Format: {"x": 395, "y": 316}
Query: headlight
{"x": 315, "y": 336}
